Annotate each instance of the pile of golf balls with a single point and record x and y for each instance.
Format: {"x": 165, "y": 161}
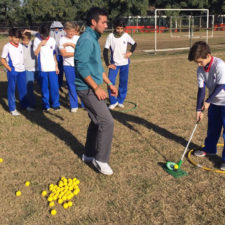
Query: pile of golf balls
{"x": 62, "y": 193}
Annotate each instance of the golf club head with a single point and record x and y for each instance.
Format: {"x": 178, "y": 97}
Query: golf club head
{"x": 170, "y": 165}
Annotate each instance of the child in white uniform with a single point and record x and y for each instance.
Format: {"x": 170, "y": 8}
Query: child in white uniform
{"x": 44, "y": 48}
{"x": 13, "y": 60}
{"x": 117, "y": 43}
{"x": 66, "y": 46}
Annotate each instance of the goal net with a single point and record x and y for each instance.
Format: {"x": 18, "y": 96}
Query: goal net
{"x": 180, "y": 23}
{"x": 185, "y": 26}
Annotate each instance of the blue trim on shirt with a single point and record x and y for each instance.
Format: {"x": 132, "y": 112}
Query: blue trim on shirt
{"x": 10, "y": 63}
{"x": 200, "y": 98}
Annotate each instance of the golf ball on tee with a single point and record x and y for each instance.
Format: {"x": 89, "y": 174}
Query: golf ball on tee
{"x": 176, "y": 167}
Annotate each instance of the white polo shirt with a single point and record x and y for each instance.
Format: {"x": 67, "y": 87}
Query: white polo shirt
{"x": 57, "y": 35}
{"x": 68, "y": 61}
{"x": 118, "y": 47}
{"x": 14, "y": 56}
{"x": 215, "y": 76}
{"x": 46, "y": 55}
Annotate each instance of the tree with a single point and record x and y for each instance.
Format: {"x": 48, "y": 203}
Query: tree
{"x": 9, "y": 11}
{"x": 127, "y": 7}
{"x": 36, "y": 11}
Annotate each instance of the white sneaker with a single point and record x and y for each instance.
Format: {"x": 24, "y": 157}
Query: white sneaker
{"x": 121, "y": 105}
{"x": 87, "y": 158}
{"x": 30, "y": 109}
{"x": 113, "y": 106}
{"x": 102, "y": 167}
{"x": 15, "y": 113}
{"x": 73, "y": 110}
{"x": 222, "y": 166}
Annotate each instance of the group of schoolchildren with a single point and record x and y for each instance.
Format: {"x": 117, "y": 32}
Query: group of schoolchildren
{"x": 49, "y": 55}
{"x": 40, "y": 58}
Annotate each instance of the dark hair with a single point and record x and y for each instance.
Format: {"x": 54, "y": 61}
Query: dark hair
{"x": 94, "y": 13}
{"x": 14, "y": 32}
{"x": 26, "y": 35}
{"x": 120, "y": 22}
{"x": 44, "y": 30}
{"x": 198, "y": 50}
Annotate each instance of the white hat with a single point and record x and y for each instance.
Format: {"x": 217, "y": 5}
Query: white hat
{"x": 56, "y": 24}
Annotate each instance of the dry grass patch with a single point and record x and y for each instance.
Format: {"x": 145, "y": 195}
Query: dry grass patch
{"x": 42, "y": 147}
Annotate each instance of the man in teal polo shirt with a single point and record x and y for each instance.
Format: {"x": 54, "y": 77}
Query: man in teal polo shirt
{"x": 89, "y": 76}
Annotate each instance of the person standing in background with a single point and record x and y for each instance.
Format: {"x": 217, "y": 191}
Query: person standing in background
{"x": 57, "y": 33}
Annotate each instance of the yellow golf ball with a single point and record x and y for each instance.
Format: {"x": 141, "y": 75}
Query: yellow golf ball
{"x": 176, "y": 167}
{"x": 1, "y": 160}
{"x": 50, "y": 199}
{"x": 44, "y": 193}
{"x": 53, "y": 212}
{"x": 18, "y": 193}
{"x": 51, "y": 204}
{"x": 27, "y": 183}
{"x": 65, "y": 205}
{"x": 64, "y": 198}
{"x": 60, "y": 201}
{"x": 70, "y": 203}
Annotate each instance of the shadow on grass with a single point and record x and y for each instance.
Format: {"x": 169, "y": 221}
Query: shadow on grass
{"x": 39, "y": 118}
{"x": 215, "y": 159}
{"x": 70, "y": 140}
{"x": 126, "y": 118}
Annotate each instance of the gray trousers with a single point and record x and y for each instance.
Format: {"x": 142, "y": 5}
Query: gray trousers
{"x": 100, "y": 130}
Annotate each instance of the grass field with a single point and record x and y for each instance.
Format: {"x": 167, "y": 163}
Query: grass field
{"x": 42, "y": 147}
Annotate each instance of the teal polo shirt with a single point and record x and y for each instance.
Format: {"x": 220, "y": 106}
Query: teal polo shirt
{"x": 87, "y": 59}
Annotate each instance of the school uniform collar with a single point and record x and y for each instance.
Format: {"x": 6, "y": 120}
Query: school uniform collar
{"x": 45, "y": 38}
{"x": 14, "y": 44}
{"x": 208, "y": 66}
{"x": 93, "y": 33}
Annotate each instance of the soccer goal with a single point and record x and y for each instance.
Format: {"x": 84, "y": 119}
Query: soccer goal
{"x": 181, "y": 26}
{"x": 185, "y": 26}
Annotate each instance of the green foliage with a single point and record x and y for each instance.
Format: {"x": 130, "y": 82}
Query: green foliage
{"x": 30, "y": 12}
{"x": 9, "y": 10}
{"x": 48, "y": 10}
{"x": 127, "y": 7}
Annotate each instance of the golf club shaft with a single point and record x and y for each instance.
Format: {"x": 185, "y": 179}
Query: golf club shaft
{"x": 189, "y": 141}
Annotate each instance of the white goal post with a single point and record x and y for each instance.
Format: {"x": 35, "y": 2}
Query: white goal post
{"x": 156, "y": 16}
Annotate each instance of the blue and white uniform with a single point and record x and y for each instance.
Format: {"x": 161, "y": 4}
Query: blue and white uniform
{"x": 17, "y": 76}
{"x": 57, "y": 33}
{"x": 118, "y": 48}
{"x": 31, "y": 69}
{"x": 48, "y": 76}
{"x": 68, "y": 64}
{"x": 213, "y": 77}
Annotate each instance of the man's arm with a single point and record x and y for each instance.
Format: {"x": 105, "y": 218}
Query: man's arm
{"x": 100, "y": 93}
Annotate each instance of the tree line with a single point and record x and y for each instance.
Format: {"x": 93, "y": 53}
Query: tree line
{"x": 31, "y": 12}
